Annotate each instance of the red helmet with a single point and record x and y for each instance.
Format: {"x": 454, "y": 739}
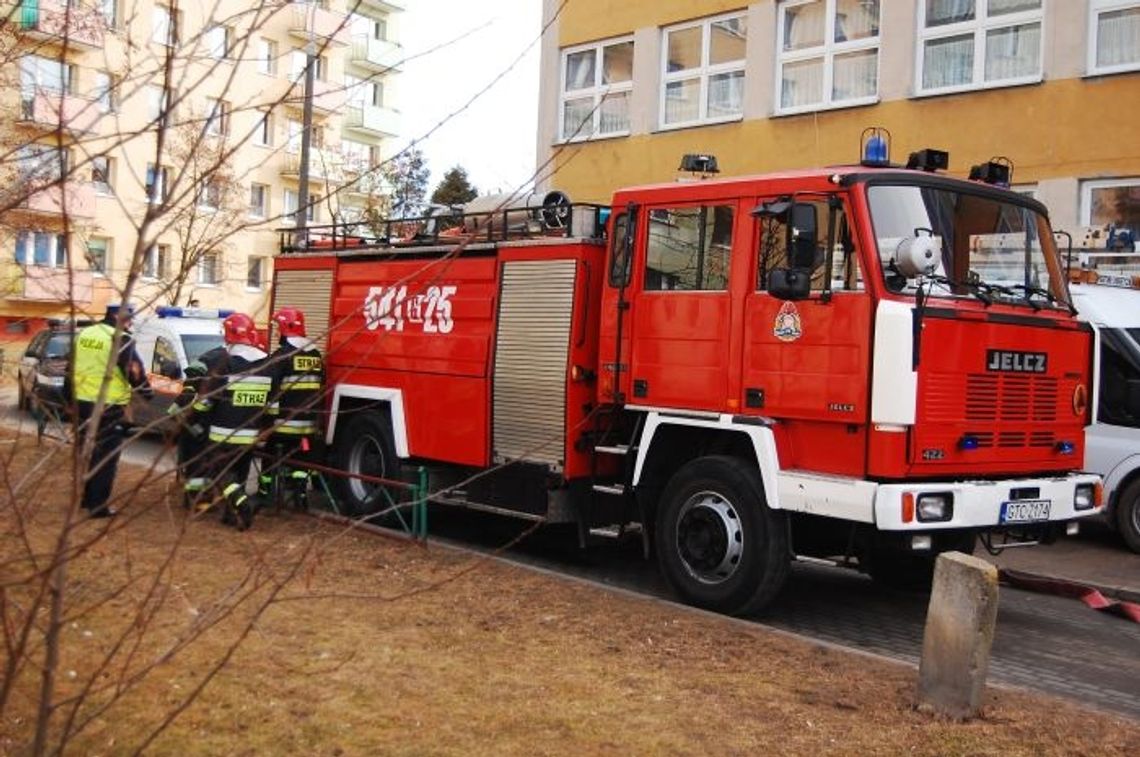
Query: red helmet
{"x": 238, "y": 328}
{"x": 291, "y": 321}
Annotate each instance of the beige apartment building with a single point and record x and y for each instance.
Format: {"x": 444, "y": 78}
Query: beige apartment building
{"x": 164, "y": 138}
{"x": 769, "y": 85}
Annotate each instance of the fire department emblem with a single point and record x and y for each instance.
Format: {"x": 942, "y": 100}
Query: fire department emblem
{"x": 787, "y": 327}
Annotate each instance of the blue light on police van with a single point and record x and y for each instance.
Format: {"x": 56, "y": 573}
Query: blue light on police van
{"x": 1065, "y": 447}
{"x": 168, "y": 311}
{"x": 968, "y": 443}
{"x": 173, "y": 311}
{"x": 875, "y": 146}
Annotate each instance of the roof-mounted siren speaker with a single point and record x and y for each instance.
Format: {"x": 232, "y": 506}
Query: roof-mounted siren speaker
{"x": 997, "y": 171}
{"x": 699, "y": 164}
{"x": 875, "y": 147}
{"x": 928, "y": 160}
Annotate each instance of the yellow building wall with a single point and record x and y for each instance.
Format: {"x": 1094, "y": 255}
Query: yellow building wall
{"x": 1064, "y": 128}
{"x": 588, "y": 20}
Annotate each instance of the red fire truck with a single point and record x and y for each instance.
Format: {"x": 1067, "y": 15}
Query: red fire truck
{"x": 867, "y": 364}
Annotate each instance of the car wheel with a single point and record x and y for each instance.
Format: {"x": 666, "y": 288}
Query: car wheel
{"x": 719, "y": 545}
{"x": 1128, "y": 515}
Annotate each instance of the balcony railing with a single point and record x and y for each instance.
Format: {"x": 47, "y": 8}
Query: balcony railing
{"x": 45, "y": 284}
{"x": 53, "y": 21}
{"x": 327, "y": 27}
{"x": 376, "y": 54}
{"x": 50, "y": 201}
{"x": 327, "y": 97}
{"x": 372, "y": 120}
{"x": 72, "y": 113}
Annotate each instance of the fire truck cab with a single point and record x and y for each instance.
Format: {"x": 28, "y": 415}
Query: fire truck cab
{"x": 866, "y": 364}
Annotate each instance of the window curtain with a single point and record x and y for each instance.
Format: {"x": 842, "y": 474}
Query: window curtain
{"x": 1013, "y": 52}
{"x": 580, "y": 70}
{"x": 726, "y": 94}
{"x": 801, "y": 83}
{"x": 855, "y": 75}
{"x": 941, "y": 12}
{"x": 804, "y": 25}
{"x": 614, "y": 113}
{"x": 856, "y": 19}
{"x": 1118, "y": 37}
{"x": 682, "y": 101}
{"x": 948, "y": 62}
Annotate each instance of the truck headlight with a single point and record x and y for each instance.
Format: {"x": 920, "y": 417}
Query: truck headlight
{"x": 1085, "y": 497}
{"x": 934, "y": 507}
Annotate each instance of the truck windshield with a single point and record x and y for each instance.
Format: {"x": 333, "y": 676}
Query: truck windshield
{"x": 993, "y": 249}
{"x": 196, "y": 344}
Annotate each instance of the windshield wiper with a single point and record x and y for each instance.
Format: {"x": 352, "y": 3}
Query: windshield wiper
{"x": 980, "y": 289}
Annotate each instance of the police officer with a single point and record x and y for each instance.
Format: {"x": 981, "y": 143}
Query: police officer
{"x": 298, "y": 383}
{"x": 94, "y": 352}
{"x": 233, "y": 410}
{"x": 193, "y": 463}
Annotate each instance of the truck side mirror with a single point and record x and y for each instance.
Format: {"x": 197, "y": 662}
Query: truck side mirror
{"x": 803, "y": 236}
{"x": 789, "y": 283}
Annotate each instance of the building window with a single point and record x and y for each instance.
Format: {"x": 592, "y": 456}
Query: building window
{"x": 703, "y": 77}
{"x": 359, "y": 157}
{"x": 264, "y": 134}
{"x": 258, "y": 200}
{"x": 267, "y": 56}
{"x": 1114, "y": 31}
{"x": 297, "y": 60}
{"x": 1111, "y": 202}
{"x": 110, "y": 11}
{"x": 156, "y": 262}
{"x": 968, "y": 44}
{"x": 828, "y": 53}
{"x": 99, "y": 254}
{"x": 254, "y": 272}
{"x": 688, "y": 248}
{"x": 362, "y": 92}
{"x": 291, "y": 202}
{"x": 41, "y": 248}
{"x": 210, "y": 269}
{"x": 156, "y": 183}
{"x": 597, "y": 82}
{"x": 102, "y": 174}
{"x": 157, "y": 104}
{"x": 104, "y": 94}
{"x": 219, "y": 42}
{"x": 162, "y": 26}
{"x": 217, "y": 117}
{"x": 210, "y": 195}
{"x": 41, "y": 165}
{"x": 40, "y": 74}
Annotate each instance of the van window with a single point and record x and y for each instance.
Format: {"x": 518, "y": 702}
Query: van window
{"x": 164, "y": 354}
{"x": 196, "y": 344}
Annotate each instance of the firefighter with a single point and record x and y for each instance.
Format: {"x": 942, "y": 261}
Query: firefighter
{"x": 193, "y": 463}
{"x": 298, "y": 384}
{"x": 92, "y": 353}
{"x": 233, "y": 410}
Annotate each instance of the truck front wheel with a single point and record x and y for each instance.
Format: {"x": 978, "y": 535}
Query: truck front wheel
{"x": 719, "y": 545}
{"x": 364, "y": 447}
{"x": 1128, "y": 515}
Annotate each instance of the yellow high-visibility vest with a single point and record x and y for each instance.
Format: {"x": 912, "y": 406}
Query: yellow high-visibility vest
{"x": 92, "y": 351}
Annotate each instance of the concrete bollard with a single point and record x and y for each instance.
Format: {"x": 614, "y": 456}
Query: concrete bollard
{"x": 960, "y": 624}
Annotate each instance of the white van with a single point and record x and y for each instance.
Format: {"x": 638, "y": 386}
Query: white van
{"x": 1112, "y": 442}
{"x": 167, "y": 343}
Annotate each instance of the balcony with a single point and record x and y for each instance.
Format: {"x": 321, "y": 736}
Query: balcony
{"x": 52, "y": 21}
{"x": 328, "y": 98}
{"x": 327, "y": 27}
{"x": 372, "y": 120}
{"x": 323, "y": 165}
{"x": 45, "y": 284}
{"x": 51, "y": 111}
{"x": 377, "y": 55}
{"x": 79, "y": 196}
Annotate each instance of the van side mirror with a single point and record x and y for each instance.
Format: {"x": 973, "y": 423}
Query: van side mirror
{"x": 170, "y": 369}
{"x": 790, "y": 283}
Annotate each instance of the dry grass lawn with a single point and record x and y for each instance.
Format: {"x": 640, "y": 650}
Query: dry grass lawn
{"x": 373, "y": 646}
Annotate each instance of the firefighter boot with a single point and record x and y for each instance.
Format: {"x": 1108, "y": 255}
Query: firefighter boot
{"x": 238, "y": 509}
{"x": 299, "y": 487}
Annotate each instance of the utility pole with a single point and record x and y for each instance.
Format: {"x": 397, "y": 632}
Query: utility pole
{"x": 301, "y": 234}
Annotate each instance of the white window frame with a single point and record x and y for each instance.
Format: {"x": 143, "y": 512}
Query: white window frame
{"x": 1097, "y": 7}
{"x": 57, "y": 254}
{"x": 263, "y": 131}
{"x": 108, "y": 243}
{"x": 267, "y": 56}
{"x": 703, "y": 72}
{"x": 217, "y": 117}
{"x": 205, "y": 202}
{"x": 162, "y": 26}
{"x": 204, "y": 271}
{"x": 157, "y": 189}
{"x": 1087, "y": 188}
{"x": 225, "y": 44}
{"x": 105, "y": 93}
{"x": 156, "y": 262}
{"x": 828, "y": 51}
{"x": 980, "y": 24}
{"x": 263, "y": 211}
{"x": 106, "y": 188}
{"x": 250, "y": 261}
{"x": 598, "y": 91}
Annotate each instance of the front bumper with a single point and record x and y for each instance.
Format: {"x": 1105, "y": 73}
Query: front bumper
{"x": 978, "y": 504}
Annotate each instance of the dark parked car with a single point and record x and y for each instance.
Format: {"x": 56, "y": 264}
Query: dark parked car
{"x": 42, "y": 372}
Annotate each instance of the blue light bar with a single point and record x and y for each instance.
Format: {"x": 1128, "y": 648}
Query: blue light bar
{"x": 172, "y": 311}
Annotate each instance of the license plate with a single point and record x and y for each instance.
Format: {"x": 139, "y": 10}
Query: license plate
{"x": 1025, "y": 511}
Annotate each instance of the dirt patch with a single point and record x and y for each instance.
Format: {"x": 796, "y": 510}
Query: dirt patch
{"x": 354, "y": 644}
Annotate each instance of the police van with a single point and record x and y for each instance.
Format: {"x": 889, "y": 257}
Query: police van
{"x": 1110, "y": 303}
{"x": 167, "y": 343}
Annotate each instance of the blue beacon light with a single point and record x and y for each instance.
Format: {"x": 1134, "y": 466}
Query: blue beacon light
{"x": 968, "y": 443}
{"x": 875, "y": 147}
{"x": 1066, "y": 447}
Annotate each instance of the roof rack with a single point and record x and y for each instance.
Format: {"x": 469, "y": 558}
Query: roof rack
{"x": 554, "y": 218}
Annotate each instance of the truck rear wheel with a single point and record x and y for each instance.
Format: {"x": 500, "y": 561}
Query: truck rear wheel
{"x": 1128, "y": 515}
{"x": 719, "y": 545}
{"x": 365, "y": 447}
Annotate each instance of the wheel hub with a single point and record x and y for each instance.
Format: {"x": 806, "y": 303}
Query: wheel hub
{"x": 710, "y": 537}
{"x": 366, "y": 458}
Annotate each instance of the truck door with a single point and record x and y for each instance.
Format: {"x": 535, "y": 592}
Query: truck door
{"x": 809, "y": 360}
{"x": 681, "y": 309}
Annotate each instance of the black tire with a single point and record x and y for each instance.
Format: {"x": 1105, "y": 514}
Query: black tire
{"x": 1128, "y": 515}
{"x": 364, "y": 446}
{"x": 719, "y": 545}
{"x": 907, "y": 571}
